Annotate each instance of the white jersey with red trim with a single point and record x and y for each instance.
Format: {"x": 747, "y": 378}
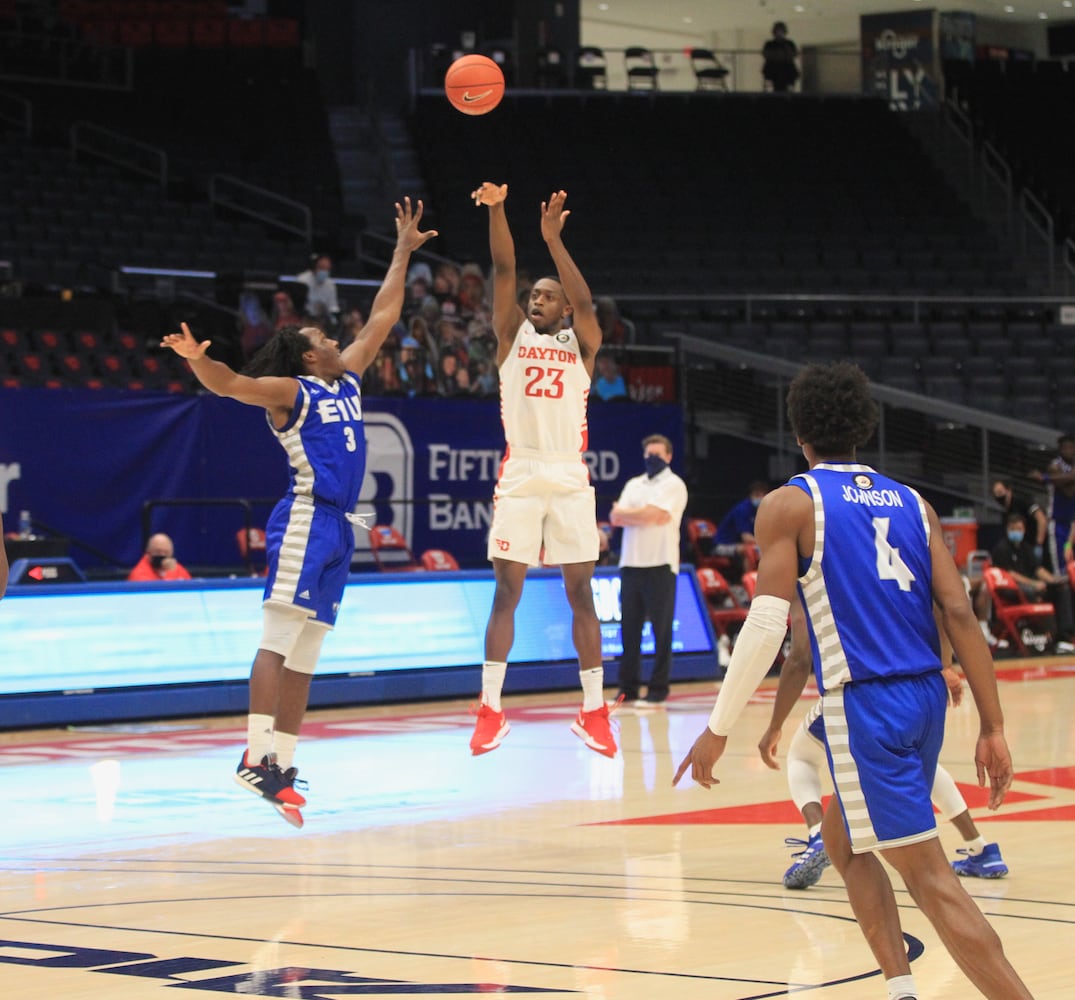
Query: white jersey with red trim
{"x": 544, "y": 388}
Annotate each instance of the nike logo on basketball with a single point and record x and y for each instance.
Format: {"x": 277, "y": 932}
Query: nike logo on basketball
{"x": 469, "y": 98}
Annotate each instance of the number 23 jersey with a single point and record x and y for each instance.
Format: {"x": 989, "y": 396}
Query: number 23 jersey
{"x": 544, "y": 388}
{"x": 868, "y": 589}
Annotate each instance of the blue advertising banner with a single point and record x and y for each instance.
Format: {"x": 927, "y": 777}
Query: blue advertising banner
{"x": 899, "y": 58}
{"x": 85, "y": 463}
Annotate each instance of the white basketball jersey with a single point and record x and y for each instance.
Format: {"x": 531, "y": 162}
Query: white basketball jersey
{"x": 544, "y": 387}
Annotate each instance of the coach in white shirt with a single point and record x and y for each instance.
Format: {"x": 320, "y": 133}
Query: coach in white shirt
{"x": 649, "y": 510}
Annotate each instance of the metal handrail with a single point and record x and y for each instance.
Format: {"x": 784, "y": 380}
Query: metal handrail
{"x": 1043, "y": 225}
{"x": 218, "y": 183}
{"x": 81, "y": 134}
{"x": 995, "y": 167}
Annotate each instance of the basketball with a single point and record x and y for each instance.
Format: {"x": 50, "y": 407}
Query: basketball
{"x": 474, "y": 84}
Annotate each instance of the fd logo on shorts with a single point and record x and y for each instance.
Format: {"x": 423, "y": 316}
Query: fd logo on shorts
{"x": 863, "y": 482}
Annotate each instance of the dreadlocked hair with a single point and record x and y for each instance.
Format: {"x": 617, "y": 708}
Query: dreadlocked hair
{"x": 830, "y": 408}
{"x": 281, "y": 354}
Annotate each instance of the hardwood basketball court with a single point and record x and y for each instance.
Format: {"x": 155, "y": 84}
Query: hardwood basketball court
{"x": 135, "y": 868}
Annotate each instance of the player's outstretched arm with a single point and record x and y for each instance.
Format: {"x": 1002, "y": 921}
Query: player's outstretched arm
{"x": 583, "y": 317}
{"x": 506, "y": 312}
{"x": 388, "y": 303}
{"x": 270, "y": 391}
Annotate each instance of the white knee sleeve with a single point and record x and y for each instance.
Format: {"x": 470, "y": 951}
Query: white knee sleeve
{"x": 806, "y": 758}
{"x": 282, "y": 625}
{"x": 304, "y": 654}
{"x": 946, "y": 795}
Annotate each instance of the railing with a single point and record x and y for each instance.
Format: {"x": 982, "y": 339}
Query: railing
{"x": 1036, "y": 217}
{"x": 995, "y": 168}
{"x": 245, "y": 504}
{"x": 1067, "y": 260}
{"x": 18, "y": 111}
{"x": 67, "y": 63}
{"x": 913, "y": 308}
{"x": 940, "y": 447}
{"x": 121, "y": 150}
{"x": 259, "y": 203}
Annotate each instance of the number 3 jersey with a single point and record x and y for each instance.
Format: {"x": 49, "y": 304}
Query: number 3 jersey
{"x": 868, "y": 588}
{"x": 544, "y": 387}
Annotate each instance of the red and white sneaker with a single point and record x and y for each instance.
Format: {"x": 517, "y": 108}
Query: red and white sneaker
{"x": 489, "y": 730}
{"x": 595, "y": 730}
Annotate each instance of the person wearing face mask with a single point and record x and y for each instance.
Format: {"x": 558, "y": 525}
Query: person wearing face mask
{"x": 322, "y": 301}
{"x": 1013, "y": 502}
{"x": 158, "y": 562}
{"x": 735, "y": 533}
{"x": 649, "y": 511}
{"x": 1016, "y": 553}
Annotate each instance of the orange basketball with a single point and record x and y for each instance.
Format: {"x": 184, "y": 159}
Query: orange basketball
{"x": 474, "y": 84}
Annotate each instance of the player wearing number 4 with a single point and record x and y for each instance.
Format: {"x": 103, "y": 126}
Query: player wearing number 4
{"x": 869, "y": 558}
{"x": 543, "y": 494}
{"x": 310, "y": 391}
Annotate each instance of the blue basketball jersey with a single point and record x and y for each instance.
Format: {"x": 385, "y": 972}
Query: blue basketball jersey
{"x": 325, "y": 441}
{"x": 309, "y": 541}
{"x": 867, "y": 590}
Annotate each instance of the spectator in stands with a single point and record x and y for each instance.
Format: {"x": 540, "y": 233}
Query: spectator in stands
{"x": 472, "y": 293}
{"x": 609, "y": 383}
{"x": 419, "y": 288}
{"x": 735, "y": 533}
{"x": 737, "y": 527}
{"x": 415, "y": 372}
{"x": 351, "y": 323}
{"x": 487, "y": 381}
{"x": 1033, "y": 513}
{"x": 1059, "y": 479}
{"x": 1019, "y": 557}
{"x": 420, "y": 332}
{"x": 616, "y": 331}
{"x": 779, "y": 53}
{"x": 322, "y": 301}
{"x": 446, "y": 281}
{"x": 451, "y": 377}
{"x": 284, "y": 312}
{"x": 255, "y": 326}
{"x": 158, "y": 562}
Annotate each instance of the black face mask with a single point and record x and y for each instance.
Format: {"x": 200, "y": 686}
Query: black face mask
{"x": 655, "y": 465}
{"x": 157, "y": 562}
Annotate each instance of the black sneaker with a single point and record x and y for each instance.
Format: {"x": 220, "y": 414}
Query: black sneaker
{"x": 270, "y": 782}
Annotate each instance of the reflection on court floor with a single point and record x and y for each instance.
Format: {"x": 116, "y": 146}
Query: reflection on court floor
{"x": 133, "y": 866}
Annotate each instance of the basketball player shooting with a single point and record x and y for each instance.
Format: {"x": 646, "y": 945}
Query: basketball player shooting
{"x": 543, "y": 495}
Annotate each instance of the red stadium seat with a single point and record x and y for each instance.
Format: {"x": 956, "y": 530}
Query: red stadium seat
{"x": 439, "y": 560}
{"x": 1025, "y": 624}
{"x": 244, "y": 34}
{"x": 171, "y": 34}
{"x": 726, "y": 611}
{"x": 390, "y": 549}
{"x": 251, "y": 543}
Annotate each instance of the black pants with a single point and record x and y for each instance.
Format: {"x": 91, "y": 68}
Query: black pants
{"x": 646, "y": 593}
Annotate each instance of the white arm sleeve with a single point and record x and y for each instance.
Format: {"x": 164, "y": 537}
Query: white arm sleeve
{"x": 756, "y": 647}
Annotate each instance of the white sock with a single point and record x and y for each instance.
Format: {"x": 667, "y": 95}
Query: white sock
{"x": 975, "y": 846}
{"x": 284, "y": 746}
{"x": 493, "y": 674}
{"x": 814, "y": 830}
{"x": 593, "y": 688}
{"x": 900, "y": 987}
{"x": 258, "y": 737}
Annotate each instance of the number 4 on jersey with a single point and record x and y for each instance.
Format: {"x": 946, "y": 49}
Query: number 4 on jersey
{"x": 889, "y": 564}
